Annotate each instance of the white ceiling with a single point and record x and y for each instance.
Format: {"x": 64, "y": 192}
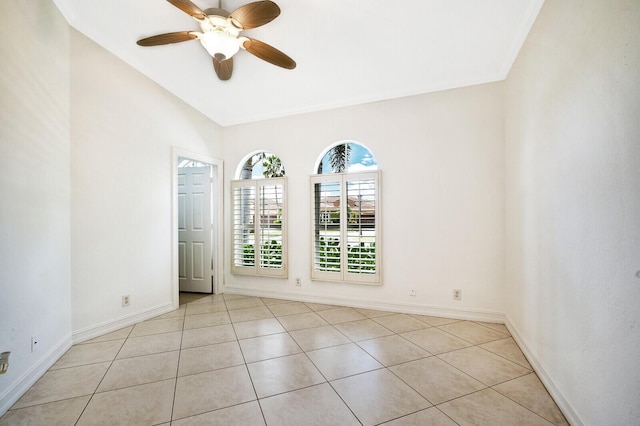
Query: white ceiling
{"x": 347, "y": 52}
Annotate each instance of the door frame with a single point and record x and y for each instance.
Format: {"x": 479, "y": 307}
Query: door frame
{"x": 217, "y": 198}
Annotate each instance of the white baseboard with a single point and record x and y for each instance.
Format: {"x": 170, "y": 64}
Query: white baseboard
{"x": 472, "y": 315}
{"x": 13, "y": 393}
{"x": 105, "y": 327}
{"x": 562, "y": 403}
{"x": 405, "y": 308}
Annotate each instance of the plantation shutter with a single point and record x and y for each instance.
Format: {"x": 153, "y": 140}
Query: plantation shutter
{"x": 259, "y": 227}
{"x": 346, "y": 227}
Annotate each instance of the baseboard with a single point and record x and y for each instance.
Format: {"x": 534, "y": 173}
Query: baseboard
{"x": 13, "y": 393}
{"x": 562, "y": 403}
{"x": 105, "y": 327}
{"x": 405, "y": 308}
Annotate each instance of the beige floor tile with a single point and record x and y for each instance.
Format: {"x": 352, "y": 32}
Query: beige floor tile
{"x": 302, "y": 321}
{"x": 200, "y": 393}
{"x": 362, "y": 330}
{"x": 210, "y": 298}
{"x": 283, "y": 374}
{"x": 340, "y": 361}
{"x": 250, "y": 314}
{"x": 488, "y": 407}
{"x": 436, "y": 380}
{"x": 373, "y": 313}
{"x": 431, "y": 417}
{"x": 140, "y": 370}
{"x": 529, "y": 392}
{"x": 56, "y": 385}
{"x": 472, "y": 332}
{"x": 206, "y": 320}
{"x": 495, "y": 326}
{"x": 266, "y": 347}
{"x": 239, "y": 415}
{"x": 208, "y": 336}
{"x": 316, "y": 405}
{"x": 205, "y": 308}
{"x": 378, "y": 396}
{"x": 335, "y": 316}
{"x": 508, "y": 349}
{"x": 217, "y": 386}
{"x": 270, "y": 301}
{"x": 89, "y": 353}
{"x": 145, "y": 404}
{"x": 157, "y": 326}
{"x": 401, "y": 323}
{"x": 59, "y": 413}
{"x": 435, "y": 340}
{"x": 228, "y": 296}
{"x": 435, "y": 321}
{"x": 152, "y": 344}
{"x": 177, "y": 313}
{"x": 320, "y": 306}
{"x": 391, "y": 350}
{"x": 211, "y": 357}
{"x": 318, "y": 338}
{"x": 247, "y": 302}
{"x": 289, "y": 309}
{"x": 484, "y": 366}
{"x": 256, "y": 328}
{"x": 123, "y": 333}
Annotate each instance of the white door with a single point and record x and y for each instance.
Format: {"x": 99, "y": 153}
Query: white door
{"x": 194, "y": 229}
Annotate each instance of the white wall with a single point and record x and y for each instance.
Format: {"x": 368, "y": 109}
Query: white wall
{"x": 441, "y": 157}
{"x": 34, "y": 192}
{"x": 572, "y": 110}
{"x": 123, "y": 127}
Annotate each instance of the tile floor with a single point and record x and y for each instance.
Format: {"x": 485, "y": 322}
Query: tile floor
{"x": 233, "y": 360}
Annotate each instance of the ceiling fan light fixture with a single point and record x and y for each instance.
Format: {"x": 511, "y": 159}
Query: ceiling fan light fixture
{"x": 220, "y": 34}
{"x": 219, "y": 44}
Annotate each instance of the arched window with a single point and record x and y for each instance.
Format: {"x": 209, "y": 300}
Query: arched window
{"x": 346, "y": 204}
{"x": 261, "y": 164}
{"x": 347, "y": 157}
{"x": 259, "y": 216}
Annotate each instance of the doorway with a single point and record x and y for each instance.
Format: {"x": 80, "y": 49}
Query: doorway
{"x": 197, "y": 223}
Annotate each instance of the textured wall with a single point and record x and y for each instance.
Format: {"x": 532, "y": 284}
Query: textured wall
{"x": 573, "y": 204}
{"x": 34, "y": 191}
{"x": 441, "y": 162}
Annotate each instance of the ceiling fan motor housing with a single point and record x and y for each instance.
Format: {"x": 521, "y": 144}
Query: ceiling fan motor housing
{"x": 219, "y": 36}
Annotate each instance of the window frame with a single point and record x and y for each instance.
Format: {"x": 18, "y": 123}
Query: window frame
{"x": 343, "y": 275}
{"x": 257, "y": 269}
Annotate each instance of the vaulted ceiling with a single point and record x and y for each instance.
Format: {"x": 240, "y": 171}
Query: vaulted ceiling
{"x": 347, "y": 52}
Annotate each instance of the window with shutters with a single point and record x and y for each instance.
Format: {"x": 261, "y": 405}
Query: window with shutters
{"x": 346, "y": 221}
{"x": 259, "y": 218}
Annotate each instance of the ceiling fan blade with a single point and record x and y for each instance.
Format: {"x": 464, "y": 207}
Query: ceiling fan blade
{"x": 268, "y": 53}
{"x": 187, "y": 7}
{"x": 167, "y": 38}
{"x": 254, "y": 14}
{"x": 223, "y": 68}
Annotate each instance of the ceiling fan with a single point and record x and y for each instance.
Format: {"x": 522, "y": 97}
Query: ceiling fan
{"x": 220, "y": 34}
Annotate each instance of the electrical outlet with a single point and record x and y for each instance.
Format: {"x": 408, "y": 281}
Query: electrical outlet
{"x": 457, "y": 294}
{"x": 125, "y": 301}
{"x": 298, "y": 282}
{"x": 34, "y": 344}
{"x": 412, "y": 292}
